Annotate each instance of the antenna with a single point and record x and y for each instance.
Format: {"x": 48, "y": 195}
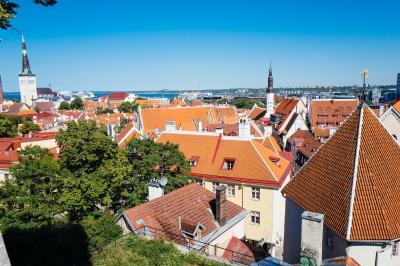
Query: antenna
{"x": 163, "y": 181}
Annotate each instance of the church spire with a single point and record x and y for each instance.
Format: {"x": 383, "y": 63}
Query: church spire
{"x": 270, "y": 79}
{"x": 1, "y": 91}
{"x": 26, "y": 69}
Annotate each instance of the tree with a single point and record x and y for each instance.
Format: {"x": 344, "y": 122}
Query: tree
{"x": 8, "y": 127}
{"x": 101, "y": 111}
{"x": 29, "y": 126}
{"x": 64, "y": 106}
{"x": 127, "y": 107}
{"x": 8, "y": 10}
{"x": 95, "y": 169}
{"x": 77, "y": 104}
{"x": 31, "y": 198}
{"x": 152, "y": 160}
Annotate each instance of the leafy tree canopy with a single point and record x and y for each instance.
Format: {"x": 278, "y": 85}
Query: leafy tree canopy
{"x": 9, "y": 126}
{"x": 101, "y": 111}
{"x": 77, "y": 104}
{"x": 127, "y": 107}
{"x": 31, "y": 198}
{"x": 8, "y": 10}
{"x": 151, "y": 160}
{"x": 29, "y": 126}
{"x": 64, "y": 106}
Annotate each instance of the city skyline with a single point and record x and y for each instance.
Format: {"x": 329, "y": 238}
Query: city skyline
{"x": 188, "y": 46}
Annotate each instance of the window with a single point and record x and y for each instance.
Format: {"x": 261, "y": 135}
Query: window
{"x": 228, "y": 164}
{"x": 192, "y": 163}
{"x": 214, "y": 186}
{"x": 255, "y": 193}
{"x": 231, "y": 190}
{"x": 396, "y": 249}
{"x": 199, "y": 181}
{"x": 255, "y": 217}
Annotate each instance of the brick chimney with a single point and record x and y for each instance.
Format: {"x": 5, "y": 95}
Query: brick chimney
{"x": 220, "y": 205}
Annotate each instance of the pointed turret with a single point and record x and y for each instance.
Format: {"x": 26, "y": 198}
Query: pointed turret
{"x": 1, "y": 91}
{"x": 270, "y": 79}
{"x": 26, "y": 68}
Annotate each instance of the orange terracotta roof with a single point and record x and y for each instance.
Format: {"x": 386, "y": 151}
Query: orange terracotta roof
{"x": 233, "y": 129}
{"x": 148, "y": 103}
{"x": 253, "y": 162}
{"x": 128, "y": 133}
{"x": 354, "y": 181}
{"x": 330, "y": 111}
{"x": 238, "y": 251}
{"x": 190, "y": 204}
{"x": 270, "y": 143}
{"x": 396, "y": 106}
{"x": 156, "y": 118}
{"x": 284, "y": 109}
{"x": 256, "y": 113}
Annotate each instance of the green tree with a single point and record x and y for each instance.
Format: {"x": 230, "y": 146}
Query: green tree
{"x": 152, "y": 160}
{"x": 96, "y": 169}
{"x": 64, "y": 106}
{"x": 29, "y": 126}
{"x": 8, "y": 127}
{"x": 127, "y": 107}
{"x": 77, "y": 104}
{"x": 101, "y": 111}
{"x": 8, "y": 10}
{"x": 31, "y": 198}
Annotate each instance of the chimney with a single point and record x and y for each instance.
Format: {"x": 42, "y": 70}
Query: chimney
{"x": 170, "y": 126}
{"x": 312, "y": 229}
{"x": 220, "y": 205}
{"x": 155, "y": 189}
{"x": 244, "y": 127}
{"x": 219, "y": 130}
{"x": 200, "y": 126}
{"x": 381, "y": 110}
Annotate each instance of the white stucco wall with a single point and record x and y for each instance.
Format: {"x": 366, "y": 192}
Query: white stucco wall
{"x": 391, "y": 121}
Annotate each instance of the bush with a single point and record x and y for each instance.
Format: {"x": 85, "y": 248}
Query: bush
{"x": 101, "y": 231}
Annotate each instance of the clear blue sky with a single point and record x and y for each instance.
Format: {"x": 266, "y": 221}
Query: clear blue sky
{"x": 144, "y": 45}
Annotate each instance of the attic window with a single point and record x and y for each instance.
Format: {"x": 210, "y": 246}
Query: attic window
{"x": 228, "y": 164}
{"x": 193, "y": 161}
{"x": 275, "y": 160}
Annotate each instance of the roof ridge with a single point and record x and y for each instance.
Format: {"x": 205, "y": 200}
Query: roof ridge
{"x": 262, "y": 159}
{"x": 355, "y": 171}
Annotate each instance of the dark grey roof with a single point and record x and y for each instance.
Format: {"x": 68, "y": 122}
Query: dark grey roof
{"x": 44, "y": 91}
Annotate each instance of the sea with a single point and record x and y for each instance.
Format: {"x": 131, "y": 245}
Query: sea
{"x": 15, "y": 95}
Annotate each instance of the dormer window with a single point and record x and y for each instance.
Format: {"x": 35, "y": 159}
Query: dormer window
{"x": 193, "y": 161}
{"x": 228, "y": 164}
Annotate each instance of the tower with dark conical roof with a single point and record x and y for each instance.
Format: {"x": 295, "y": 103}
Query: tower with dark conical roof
{"x": 1, "y": 91}
{"x": 269, "y": 104}
{"x": 27, "y": 80}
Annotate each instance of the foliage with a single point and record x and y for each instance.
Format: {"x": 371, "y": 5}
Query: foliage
{"x": 101, "y": 231}
{"x": 247, "y": 103}
{"x": 139, "y": 251}
{"x": 8, "y": 10}
{"x": 64, "y": 106}
{"x": 95, "y": 169}
{"x": 49, "y": 245}
{"x": 101, "y": 111}
{"x": 127, "y": 107}
{"x": 31, "y": 198}
{"x": 8, "y": 126}
{"x": 151, "y": 161}
{"x": 77, "y": 104}
{"x": 29, "y": 126}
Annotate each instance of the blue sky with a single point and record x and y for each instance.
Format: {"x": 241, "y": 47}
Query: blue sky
{"x": 145, "y": 45}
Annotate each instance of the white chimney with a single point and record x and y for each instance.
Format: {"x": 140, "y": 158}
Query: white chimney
{"x": 312, "y": 230}
{"x": 244, "y": 127}
{"x": 170, "y": 126}
{"x": 332, "y": 131}
{"x": 200, "y": 126}
{"x": 219, "y": 130}
{"x": 155, "y": 190}
{"x": 381, "y": 110}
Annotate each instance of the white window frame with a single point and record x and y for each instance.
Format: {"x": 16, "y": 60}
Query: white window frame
{"x": 255, "y": 217}
{"x": 193, "y": 163}
{"x": 396, "y": 249}
{"x": 229, "y": 164}
{"x": 230, "y": 190}
{"x": 254, "y": 192}
{"x": 215, "y": 185}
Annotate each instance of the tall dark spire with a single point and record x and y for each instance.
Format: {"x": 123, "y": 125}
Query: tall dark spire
{"x": 26, "y": 69}
{"x": 270, "y": 79}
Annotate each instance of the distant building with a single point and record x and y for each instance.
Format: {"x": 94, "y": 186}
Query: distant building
{"x": 45, "y": 93}
{"x": 391, "y": 121}
{"x": 352, "y": 187}
{"x": 398, "y": 86}
{"x": 27, "y": 80}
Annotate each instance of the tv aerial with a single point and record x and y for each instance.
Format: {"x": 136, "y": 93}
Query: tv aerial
{"x": 163, "y": 181}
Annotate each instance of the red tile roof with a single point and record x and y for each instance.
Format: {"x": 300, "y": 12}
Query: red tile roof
{"x": 191, "y": 204}
{"x": 354, "y": 180}
{"x": 238, "y": 251}
{"x": 256, "y": 113}
{"x": 284, "y": 109}
{"x": 118, "y": 96}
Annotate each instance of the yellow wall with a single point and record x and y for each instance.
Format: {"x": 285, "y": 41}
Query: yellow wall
{"x": 264, "y": 206}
